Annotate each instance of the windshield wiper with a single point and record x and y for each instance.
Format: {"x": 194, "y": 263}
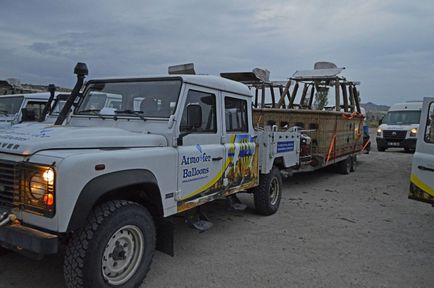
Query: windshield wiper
{"x": 92, "y": 112}
{"x": 5, "y": 112}
{"x": 135, "y": 113}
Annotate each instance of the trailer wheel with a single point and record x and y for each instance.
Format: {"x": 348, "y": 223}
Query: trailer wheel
{"x": 268, "y": 193}
{"x": 4, "y": 251}
{"x": 353, "y": 163}
{"x": 115, "y": 249}
{"x": 344, "y": 166}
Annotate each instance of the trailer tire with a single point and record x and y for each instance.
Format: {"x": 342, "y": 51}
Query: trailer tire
{"x": 344, "y": 166}
{"x": 114, "y": 249}
{"x": 4, "y": 251}
{"x": 268, "y": 193}
{"x": 353, "y": 163}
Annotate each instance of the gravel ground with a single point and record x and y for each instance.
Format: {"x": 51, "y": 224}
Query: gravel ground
{"x": 356, "y": 230}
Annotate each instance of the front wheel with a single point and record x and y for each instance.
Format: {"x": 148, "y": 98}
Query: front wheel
{"x": 115, "y": 249}
{"x": 268, "y": 193}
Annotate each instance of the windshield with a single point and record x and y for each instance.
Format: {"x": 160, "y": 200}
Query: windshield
{"x": 58, "y": 106}
{"x": 402, "y": 117}
{"x": 156, "y": 98}
{"x": 10, "y": 105}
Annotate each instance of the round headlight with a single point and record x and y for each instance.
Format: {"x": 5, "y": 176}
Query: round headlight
{"x": 413, "y": 130}
{"x": 38, "y": 186}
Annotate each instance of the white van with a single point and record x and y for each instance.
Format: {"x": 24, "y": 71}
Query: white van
{"x": 422, "y": 170}
{"x": 398, "y": 128}
{"x": 16, "y": 108}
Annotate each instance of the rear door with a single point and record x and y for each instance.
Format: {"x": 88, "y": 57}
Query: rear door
{"x": 241, "y": 157}
{"x": 422, "y": 170}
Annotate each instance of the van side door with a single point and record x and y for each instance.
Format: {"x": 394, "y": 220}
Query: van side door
{"x": 422, "y": 170}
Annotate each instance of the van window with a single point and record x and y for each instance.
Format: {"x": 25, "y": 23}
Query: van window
{"x": 405, "y": 117}
{"x": 236, "y": 115}
{"x": 429, "y": 129}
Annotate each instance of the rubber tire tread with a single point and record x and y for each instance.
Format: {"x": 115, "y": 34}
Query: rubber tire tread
{"x": 74, "y": 261}
{"x": 261, "y": 194}
{"x": 342, "y": 168}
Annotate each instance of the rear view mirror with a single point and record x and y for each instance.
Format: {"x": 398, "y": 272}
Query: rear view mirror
{"x": 194, "y": 116}
{"x": 27, "y": 115}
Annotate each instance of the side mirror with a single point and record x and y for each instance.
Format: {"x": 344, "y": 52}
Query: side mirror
{"x": 27, "y": 115}
{"x": 194, "y": 116}
{"x": 380, "y": 121}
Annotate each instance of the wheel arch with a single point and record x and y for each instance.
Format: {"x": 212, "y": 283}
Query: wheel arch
{"x": 137, "y": 185}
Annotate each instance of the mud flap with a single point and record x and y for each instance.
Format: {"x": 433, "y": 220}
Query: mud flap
{"x": 165, "y": 236}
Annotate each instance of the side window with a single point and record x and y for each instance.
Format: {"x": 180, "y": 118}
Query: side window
{"x": 429, "y": 129}
{"x": 236, "y": 115}
{"x": 207, "y": 102}
{"x": 34, "y": 110}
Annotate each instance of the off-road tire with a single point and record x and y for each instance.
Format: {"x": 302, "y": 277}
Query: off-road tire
{"x": 264, "y": 203}
{"x": 344, "y": 166}
{"x": 84, "y": 253}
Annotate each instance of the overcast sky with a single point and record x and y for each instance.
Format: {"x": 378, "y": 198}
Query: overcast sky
{"x": 388, "y": 45}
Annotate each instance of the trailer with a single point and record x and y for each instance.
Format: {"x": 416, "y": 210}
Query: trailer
{"x": 330, "y": 135}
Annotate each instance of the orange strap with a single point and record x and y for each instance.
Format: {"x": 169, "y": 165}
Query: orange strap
{"x": 349, "y": 117}
{"x": 331, "y": 148}
{"x": 366, "y": 145}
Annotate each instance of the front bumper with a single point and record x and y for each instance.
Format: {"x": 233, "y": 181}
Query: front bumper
{"x": 27, "y": 240}
{"x": 409, "y": 143}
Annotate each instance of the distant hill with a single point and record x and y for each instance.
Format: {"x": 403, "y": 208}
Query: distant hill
{"x": 372, "y": 107}
{"x": 14, "y": 86}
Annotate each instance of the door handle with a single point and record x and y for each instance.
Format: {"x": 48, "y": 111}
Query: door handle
{"x": 425, "y": 168}
{"x": 217, "y": 158}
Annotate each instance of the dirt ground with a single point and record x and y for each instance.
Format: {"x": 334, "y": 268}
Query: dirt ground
{"x": 356, "y": 230}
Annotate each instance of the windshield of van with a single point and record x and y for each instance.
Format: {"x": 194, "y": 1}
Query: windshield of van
{"x": 10, "y": 105}
{"x": 156, "y": 98}
{"x": 402, "y": 117}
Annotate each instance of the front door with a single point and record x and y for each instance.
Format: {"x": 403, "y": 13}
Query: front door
{"x": 422, "y": 170}
{"x": 200, "y": 153}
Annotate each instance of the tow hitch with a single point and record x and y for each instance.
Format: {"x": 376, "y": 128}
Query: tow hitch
{"x": 5, "y": 219}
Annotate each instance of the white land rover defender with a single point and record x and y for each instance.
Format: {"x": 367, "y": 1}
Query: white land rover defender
{"x": 103, "y": 183}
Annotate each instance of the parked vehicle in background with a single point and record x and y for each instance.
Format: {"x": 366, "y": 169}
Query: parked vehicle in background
{"x": 422, "y": 169}
{"x": 398, "y": 128}
{"x": 17, "y": 108}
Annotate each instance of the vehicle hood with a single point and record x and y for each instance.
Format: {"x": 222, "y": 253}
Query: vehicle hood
{"x": 27, "y": 139}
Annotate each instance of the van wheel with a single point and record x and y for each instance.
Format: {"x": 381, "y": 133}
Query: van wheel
{"x": 114, "y": 249}
{"x": 268, "y": 193}
{"x": 381, "y": 149}
{"x": 344, "y": 166}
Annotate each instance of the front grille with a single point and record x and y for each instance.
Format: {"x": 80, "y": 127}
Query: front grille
{"x": 392, "y": 135}
{"x": 9, "y": 185}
